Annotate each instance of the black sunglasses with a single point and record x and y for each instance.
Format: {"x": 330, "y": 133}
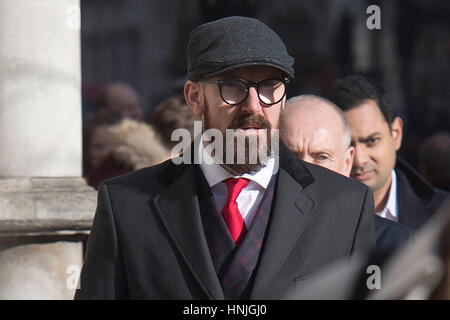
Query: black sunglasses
{"x": 236, "y": 91}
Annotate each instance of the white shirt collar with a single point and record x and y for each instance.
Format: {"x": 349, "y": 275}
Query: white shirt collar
{"x": 215, "y": 173}
{"x": 390, "y": 210}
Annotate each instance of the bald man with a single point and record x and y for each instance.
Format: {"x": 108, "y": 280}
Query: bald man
{"x": 316, "y": 131}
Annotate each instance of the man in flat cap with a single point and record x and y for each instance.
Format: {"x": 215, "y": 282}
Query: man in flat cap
{"x": 226, "y": 225}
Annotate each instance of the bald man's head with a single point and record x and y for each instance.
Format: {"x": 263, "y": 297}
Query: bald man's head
{"x": 317, "y": 132}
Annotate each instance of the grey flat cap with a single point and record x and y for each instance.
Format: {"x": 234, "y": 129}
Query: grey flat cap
{"x": 233, "y": 42}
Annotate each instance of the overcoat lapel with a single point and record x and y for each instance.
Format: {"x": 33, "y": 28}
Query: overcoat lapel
{"x": 178, "y": 207}
{"x": 412, "y": 211}
{"x": 179, "y": 210}
{"x": 413, "y": 196}
{"x": 290, "y": 212}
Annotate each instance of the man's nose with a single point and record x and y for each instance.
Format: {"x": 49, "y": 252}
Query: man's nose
{"x": 361, "y": 157}
{"x": 252, "y": 104}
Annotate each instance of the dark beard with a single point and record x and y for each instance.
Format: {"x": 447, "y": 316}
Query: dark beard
{"x": 263, "y": 144}
{"x": 241, "y": 167}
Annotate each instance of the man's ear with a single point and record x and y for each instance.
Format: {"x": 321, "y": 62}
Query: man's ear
{"x": 397, "y": 132}
{"x": 283, "y": 104}
{"x": 348, "y": 161}
{"x": 194, "y": 97}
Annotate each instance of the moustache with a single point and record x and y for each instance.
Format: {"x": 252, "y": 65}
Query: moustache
{"x": 251, "y": 121}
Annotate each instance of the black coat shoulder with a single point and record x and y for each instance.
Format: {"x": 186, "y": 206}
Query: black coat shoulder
{"x": 150, "y": 180}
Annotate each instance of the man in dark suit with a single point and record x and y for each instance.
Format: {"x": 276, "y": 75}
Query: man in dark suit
{"x": 316, "y": 131}
{"x": 400, "y": 193}
{"x": 198, "y": 227}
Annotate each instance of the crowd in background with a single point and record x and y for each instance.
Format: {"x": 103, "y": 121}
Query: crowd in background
{"x": 119, "y": 138}
{"x": 143, "y": 43}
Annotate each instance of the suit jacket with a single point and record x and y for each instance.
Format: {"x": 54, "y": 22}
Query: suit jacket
{"x": 390, "y": 236}
{"x": 417, "y": 199}
{"x": 147, "y": 239}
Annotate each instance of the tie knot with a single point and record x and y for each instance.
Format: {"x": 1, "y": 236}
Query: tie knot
{"x": 235, "y": 186}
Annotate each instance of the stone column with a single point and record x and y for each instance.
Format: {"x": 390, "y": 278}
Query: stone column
{"x": 46, "y": 208}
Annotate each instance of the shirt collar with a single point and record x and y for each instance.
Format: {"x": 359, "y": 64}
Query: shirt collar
{"x": 391, "y": 204}
{"x": 215, "y": 173}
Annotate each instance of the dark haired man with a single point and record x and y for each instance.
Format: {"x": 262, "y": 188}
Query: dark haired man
{"x": 213, "y": 230}
{"x": 316, "y": 131}
{"x": 400, "y": 193}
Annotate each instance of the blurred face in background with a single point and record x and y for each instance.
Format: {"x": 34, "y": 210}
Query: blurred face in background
{"x": 375, "y": 145}
{"x": 99, "y": 145}
{"x": 123, "y": 100}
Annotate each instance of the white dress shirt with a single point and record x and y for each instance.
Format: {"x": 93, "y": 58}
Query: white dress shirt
{"x": 250, "y": 196}
{"x": 390, "y": 209}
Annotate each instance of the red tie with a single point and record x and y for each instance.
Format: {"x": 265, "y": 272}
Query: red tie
{"x": 230, "y": 211}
